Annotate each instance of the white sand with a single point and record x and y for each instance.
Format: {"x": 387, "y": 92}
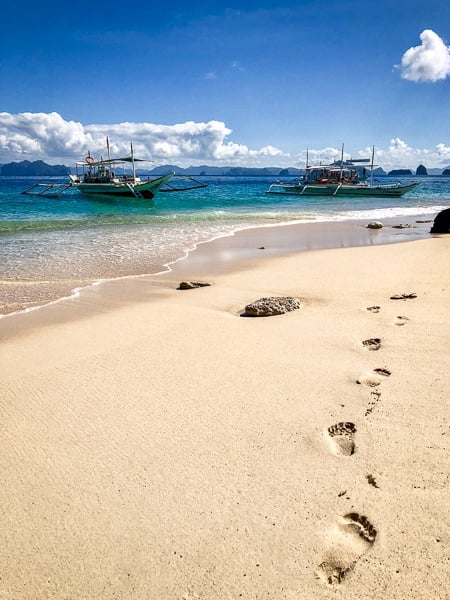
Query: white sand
{"x": 171, "y": 449}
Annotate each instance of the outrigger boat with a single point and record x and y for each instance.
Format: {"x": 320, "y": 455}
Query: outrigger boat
{"x": 101, "y": 178}
{"x": 343, "y": 179}
{"x": 110, "y": 177}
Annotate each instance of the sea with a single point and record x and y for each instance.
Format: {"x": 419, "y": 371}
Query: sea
{"x": 52, "y": 247}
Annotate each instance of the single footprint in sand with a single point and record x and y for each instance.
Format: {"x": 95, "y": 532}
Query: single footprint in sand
{"x": 403, "y": 296}
{"x": 342, "y": 438}
{"x": 373, "y": 379}
{"x": 401, "y": 320}
{"x": 376, "y": 395}
{"x": 374, "y": 309}
{"x": 372, "y": 343}
{"x": 352, "y": 537}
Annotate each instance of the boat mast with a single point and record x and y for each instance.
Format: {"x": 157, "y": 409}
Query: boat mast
{"x": 342, "y": 162}
{"x": 371, "y": 165}
{"x": 132, "y": 163}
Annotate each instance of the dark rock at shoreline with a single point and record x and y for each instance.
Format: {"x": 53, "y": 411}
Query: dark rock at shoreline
{"x": 190, "y": 285}
{"x": 374, "y": 225}
{"x": 441, "y": 222}
{"x": 273, "y": 305}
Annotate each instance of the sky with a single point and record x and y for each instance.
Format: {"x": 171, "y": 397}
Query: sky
{"x": 227, "y": 83}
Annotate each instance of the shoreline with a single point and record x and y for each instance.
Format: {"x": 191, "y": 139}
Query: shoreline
{"x": 163, "y": 446}
{"x": 227, "y": 251}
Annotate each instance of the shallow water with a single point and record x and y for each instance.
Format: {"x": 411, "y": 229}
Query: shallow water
{"x": 49, "y": 247}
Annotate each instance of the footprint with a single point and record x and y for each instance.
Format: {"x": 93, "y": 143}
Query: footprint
{"x": 376, "y": 396}
{"x": 383, "y": 372}
{"x": 342, "y": 435}
{"x": 353, "y": 536}
{"x": 403, "y": 296}
{"x": 401, "y": 320}
{"x": 372, "y": 379}
{"x": 372, "y": 344}
{"x": 374, "y": 309}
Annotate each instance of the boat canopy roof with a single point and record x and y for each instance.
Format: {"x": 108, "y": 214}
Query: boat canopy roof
{"x": 335, "y": 167}
{"x": 109, "y": 161}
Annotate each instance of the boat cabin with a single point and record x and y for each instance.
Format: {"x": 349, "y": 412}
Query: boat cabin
{"x": 333, "y": 175}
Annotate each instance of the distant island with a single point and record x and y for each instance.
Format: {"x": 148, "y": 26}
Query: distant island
{"x": 39, "y": 168}
{"x": 399, "y": 172}
{"x": 421, "y": 170}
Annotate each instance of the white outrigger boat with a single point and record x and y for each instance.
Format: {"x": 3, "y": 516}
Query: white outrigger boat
{"x": 110, "y": 177}
{"x": 102, "y": 178}
{"x": 343, "y": 179}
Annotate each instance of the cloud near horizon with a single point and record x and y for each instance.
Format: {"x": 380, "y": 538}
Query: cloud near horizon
{"x": 47, "y": 136}
{"x": 398, "y": 155}
{"x": 428, "y": 62}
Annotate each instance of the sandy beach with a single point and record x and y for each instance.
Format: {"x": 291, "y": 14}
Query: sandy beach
{"x": 157, "y": 445}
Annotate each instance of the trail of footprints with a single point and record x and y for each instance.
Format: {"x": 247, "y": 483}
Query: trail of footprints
{"x": 354, "y": 534}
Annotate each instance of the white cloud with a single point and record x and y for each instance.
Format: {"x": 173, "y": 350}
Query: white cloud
{"x": 399, "y": 155}
{"x": 428, "y": 62}
{"x": 49, "y": 137}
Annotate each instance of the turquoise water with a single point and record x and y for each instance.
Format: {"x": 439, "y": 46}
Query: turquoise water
{"x": 48, "y": 247}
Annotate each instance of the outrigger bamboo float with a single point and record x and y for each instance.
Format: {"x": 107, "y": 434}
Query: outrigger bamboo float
{"x": 111, "y": 177}
{"x": 343, "y": 179}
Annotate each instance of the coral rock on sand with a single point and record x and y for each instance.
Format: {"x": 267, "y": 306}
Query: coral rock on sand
{"x": 274, "y": 305}
{"x": 374, "y": 225}
{"x": 189, "y": 285}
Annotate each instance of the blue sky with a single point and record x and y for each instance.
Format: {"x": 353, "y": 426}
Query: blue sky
{"x": 252, "y": 83}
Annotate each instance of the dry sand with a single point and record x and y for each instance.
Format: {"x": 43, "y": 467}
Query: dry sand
{"x": 168, "y": 448}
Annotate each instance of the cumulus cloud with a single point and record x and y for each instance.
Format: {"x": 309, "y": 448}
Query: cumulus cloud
{"x": 399, "y": 155}
{"x": 49, "y": 137}
{"x": 428, "y": 62}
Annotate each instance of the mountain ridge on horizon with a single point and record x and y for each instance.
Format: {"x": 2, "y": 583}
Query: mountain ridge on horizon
{"x": 43, "y": 169}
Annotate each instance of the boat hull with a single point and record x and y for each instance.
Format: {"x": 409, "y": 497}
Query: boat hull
{"x": 341, "y": 190}
{"x": 145, "y": 191}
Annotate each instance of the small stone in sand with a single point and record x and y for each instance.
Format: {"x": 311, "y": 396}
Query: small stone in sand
{"x": 371, "y": 480}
